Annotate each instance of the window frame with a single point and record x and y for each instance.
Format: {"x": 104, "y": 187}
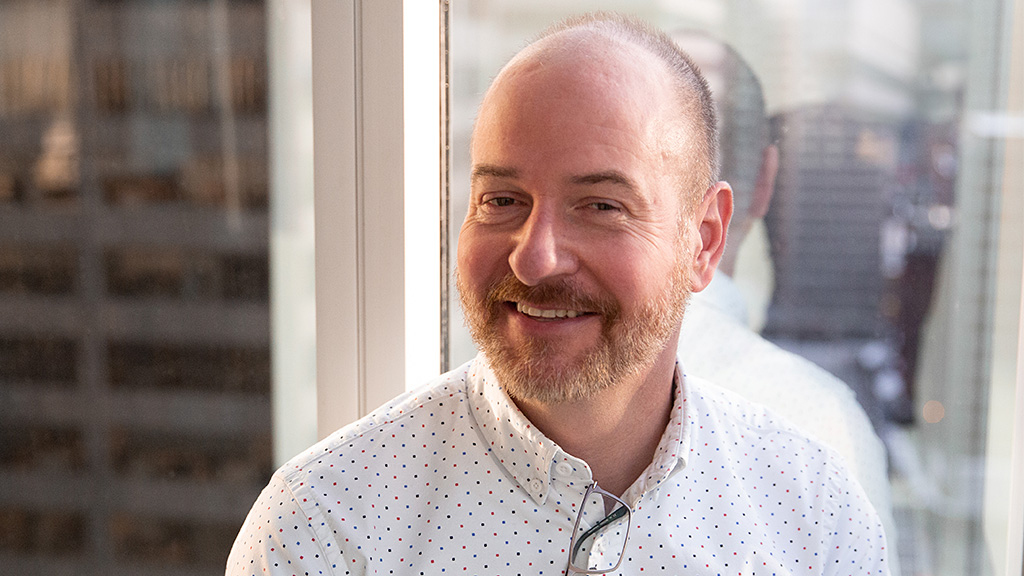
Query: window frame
{"x": 367, "y": 314}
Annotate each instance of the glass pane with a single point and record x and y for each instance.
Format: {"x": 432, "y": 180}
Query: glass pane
{"x": 882, "y": 257}
{"x": 134, "y": 283}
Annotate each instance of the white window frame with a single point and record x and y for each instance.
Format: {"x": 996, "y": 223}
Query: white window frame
{"x": 1013, "y": 185}
{"x": 376, "y": 332}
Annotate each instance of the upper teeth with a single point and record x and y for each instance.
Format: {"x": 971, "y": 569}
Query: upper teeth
{"x": 531, "y": 311}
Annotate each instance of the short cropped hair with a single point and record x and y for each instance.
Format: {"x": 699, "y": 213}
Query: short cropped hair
{"x": 739, "y": 99}
{"x": 693, "y": 91}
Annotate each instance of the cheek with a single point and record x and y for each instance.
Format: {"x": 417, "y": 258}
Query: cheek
{"x": 641, "y": 276}
{"x": 688, "y": 243}
{"x": 625, "y": 274}
{"x": 478, "y": 260}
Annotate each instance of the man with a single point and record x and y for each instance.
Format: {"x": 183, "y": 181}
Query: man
{"x": 716, "y": 343}
{"x": 594, "y": 211}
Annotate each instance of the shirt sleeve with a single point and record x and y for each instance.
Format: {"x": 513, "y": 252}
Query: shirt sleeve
{"x": 858, "y": 540}
{"x": 279, "y": 538}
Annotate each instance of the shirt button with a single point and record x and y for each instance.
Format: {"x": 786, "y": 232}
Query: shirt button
{"x": 536, "y": 485}
{"x": 563, "y": 469}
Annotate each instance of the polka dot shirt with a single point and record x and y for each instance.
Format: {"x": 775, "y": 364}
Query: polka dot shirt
{"x": 453, "y": 479}
{"x": 715, "y": 343}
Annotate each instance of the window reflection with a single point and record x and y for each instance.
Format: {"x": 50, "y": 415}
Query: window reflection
{"x": 879, "y": 257}
{"x": 134, "y": 283}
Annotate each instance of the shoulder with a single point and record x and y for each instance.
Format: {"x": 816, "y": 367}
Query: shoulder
{"x": 419, "y": 407}
{"x": 751, "y": 443}
{"x": 298, "y": 518}
{"x": 712, "y": 402}
{"x": 755, "y": 435}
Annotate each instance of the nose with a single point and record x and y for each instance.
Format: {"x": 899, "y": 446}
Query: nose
{"x": 542, "y": 250}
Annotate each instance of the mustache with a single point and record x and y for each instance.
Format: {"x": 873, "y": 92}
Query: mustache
{"x": 563, "y": 294}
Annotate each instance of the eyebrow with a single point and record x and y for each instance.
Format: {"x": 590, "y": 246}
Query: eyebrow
{"x": 612, "y": 176}
{"x": 607, "y": 176}
{"x": 483, "y": 170}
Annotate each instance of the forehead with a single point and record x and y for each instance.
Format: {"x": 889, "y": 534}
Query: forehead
{"x": 592, "y": 94}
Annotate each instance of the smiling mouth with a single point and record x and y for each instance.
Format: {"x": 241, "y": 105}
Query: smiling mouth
{"x": 532, "y": 312}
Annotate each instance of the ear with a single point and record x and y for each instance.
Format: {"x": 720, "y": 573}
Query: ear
{"x": 712, "y": 218}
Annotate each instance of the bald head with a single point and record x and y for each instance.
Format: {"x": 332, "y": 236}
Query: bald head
{"x": 606, "y": 54}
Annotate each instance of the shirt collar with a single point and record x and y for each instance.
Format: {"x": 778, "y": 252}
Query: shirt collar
{"x": 523, "y": 451}
{"x": 674, "y": 447}
{"x": 527, "y": 455}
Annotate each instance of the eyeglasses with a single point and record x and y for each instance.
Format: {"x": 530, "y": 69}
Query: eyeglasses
{"x": 600, "y": 548}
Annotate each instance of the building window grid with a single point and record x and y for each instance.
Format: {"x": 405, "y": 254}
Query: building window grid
{"x": 134, "y": 343}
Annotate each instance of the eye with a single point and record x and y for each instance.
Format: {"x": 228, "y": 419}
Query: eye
{"x": 501, "y": 201}
{"x": 603, "y": 206}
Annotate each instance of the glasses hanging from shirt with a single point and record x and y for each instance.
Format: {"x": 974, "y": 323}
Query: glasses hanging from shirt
{"x": 600, "y": 534}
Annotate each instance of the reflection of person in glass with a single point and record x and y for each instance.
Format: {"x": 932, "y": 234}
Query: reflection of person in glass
{"x": 573, "y": 443}
{"x": 715, "y": 341}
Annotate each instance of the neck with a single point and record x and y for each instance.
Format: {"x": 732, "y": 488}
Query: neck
{"x": 617, "y": 430}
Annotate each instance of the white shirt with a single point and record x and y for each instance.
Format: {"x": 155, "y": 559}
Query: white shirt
{"x": 715, "y": 344}
{"x": 453, "y": 479}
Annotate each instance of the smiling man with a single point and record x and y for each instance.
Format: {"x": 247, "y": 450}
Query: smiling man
{"x": 573, "y": 443}
{"x": 593, "y": 213}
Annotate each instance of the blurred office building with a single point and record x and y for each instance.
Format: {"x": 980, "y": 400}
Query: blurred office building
{"x": 134, "y": 332}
